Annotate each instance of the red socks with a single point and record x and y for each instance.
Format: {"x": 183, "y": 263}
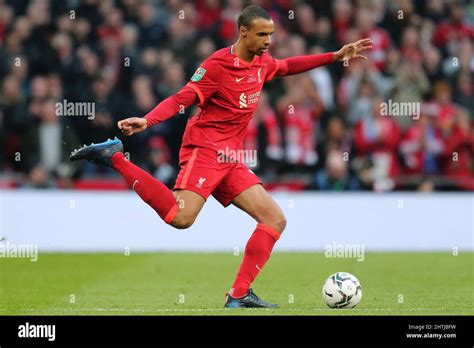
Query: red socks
{"x": 152, "y": 191}
{"x": 257, "y": 253}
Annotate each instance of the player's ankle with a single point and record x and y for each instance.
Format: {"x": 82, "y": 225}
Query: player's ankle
{"x": 117, "y": 158}
{"x": 238, "y": 292}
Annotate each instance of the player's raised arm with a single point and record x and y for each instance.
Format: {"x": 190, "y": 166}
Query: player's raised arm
{"x": 299, "y": 64}
{"x": 164, "y": 110}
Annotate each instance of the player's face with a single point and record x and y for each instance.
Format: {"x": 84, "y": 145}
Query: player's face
{"x": 257, "y": 38}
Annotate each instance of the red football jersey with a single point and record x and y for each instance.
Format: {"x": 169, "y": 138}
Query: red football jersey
{"x": 228, "y": 89}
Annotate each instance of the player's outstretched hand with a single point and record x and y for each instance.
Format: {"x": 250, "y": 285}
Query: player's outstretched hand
{"x": 351, "y": 51}
{"x": 132, "y": 125}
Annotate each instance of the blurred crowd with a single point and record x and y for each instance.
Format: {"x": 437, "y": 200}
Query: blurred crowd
{"x": 324, "y": 129}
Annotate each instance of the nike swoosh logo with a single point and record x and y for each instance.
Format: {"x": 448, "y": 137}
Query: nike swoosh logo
{"x": 238, "y": 80}
{"x": 134, "y": 183}
{"x": 330, "y": 295}
{"x": 258, "y": 267}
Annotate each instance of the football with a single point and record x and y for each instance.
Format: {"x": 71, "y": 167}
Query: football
{"x": 342, "y": 290}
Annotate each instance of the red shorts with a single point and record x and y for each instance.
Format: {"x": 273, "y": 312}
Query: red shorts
{"x": 202, "y": 172}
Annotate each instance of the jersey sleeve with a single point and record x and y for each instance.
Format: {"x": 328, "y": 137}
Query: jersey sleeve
{"x": 273, "y": 66}
{"x": 205, "y": 80}
{"x": 296, "y": 65}
{"x": 171, "y": 105}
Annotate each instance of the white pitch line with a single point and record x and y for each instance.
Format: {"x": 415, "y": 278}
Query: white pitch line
{"x": 127, "y": 310}
{"x": 140, "y": 310}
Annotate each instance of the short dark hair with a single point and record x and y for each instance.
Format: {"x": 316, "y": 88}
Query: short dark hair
{"x": 250, "y": 13}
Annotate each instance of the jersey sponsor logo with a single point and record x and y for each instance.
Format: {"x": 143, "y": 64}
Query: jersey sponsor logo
{"x": 201, "y": 182}
{"x": 243, "y": 101}
{"x": 198, "y": 75}
{"x": 252, "y": 98}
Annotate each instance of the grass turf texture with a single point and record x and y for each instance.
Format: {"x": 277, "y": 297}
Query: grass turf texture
{"x": 159, "y": 283}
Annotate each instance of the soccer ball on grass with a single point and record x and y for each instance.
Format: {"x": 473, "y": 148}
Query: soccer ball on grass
{"x": 342, "y": 290}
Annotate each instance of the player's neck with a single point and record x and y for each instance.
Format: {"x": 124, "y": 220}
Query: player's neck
{"x": 242, "y": 52}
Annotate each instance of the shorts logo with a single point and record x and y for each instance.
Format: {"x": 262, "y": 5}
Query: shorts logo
{"x": 201, "y": 182}
{"x": 243, "y": 101}
{"x": 198, "y": 75}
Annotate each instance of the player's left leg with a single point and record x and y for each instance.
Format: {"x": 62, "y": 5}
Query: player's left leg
{"x": 271, "y": 222}
{"x": 258, "y": 203}
{"x": 242, "y": 188}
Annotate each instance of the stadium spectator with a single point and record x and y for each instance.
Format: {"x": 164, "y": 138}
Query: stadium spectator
{"x": 422, "y": 145}
{"x": 300, "y": 107}
{"x": 158, "y": 161}
{"x": 264, "y": 136}
{"x": 151, "y": 32}
{"x": 335, "y": 137}
{"x": 457, "y": 158}
{"x": 376, "y": 138}
{"x": 366, "y": 26}
{"x": 343, "y": 14}
{"x": 126, "y": 55}
{"x": 450, "y": 33}
{"x": 363, "y": 83}
{"x": 409, "y": 47}
{"x": 46, "y": 144}
{"x": 230, "y": 13}
{"x": 323, "y": 81}
{"x": 463, "y": 92}
{"x": 409, "y": 86}
{"x": 336, "y": 175}
{"x": 432, "y": 63}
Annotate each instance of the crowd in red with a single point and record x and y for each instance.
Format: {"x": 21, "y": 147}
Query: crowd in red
{"x": 404, "y": 119}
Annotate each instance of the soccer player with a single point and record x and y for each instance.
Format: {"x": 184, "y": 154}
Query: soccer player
{"x": 227, "y": 86}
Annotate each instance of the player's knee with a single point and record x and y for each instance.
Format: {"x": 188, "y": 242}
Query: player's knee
{"x": 279, "y": 223}
{"x": 183, "y": 221}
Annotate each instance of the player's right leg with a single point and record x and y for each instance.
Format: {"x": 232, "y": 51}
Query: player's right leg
{"x": 178, "y": 209}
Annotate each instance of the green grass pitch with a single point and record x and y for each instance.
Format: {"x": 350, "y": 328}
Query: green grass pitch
{"x": 195, "y": 284}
